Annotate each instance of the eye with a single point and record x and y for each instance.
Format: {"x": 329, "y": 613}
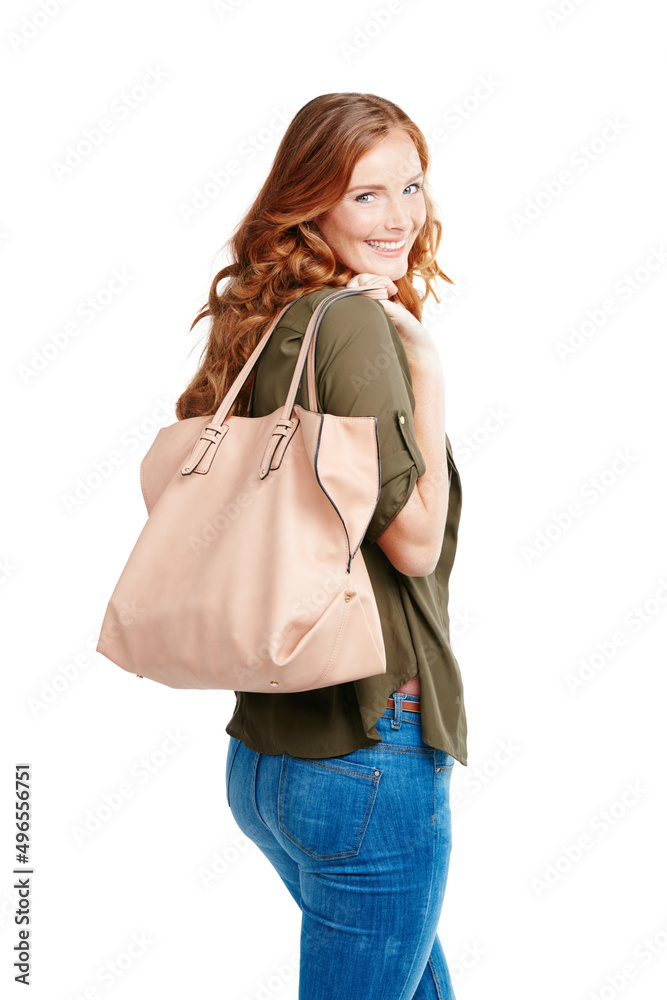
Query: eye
{"x": 369, "y": 194}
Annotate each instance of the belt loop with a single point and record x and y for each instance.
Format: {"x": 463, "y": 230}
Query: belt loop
{"x": 398, "y": 697}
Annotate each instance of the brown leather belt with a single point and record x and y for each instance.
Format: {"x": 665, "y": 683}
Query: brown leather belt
{"x": 408, "y": 706}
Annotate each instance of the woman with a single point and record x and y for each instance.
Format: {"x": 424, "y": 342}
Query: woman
{"x": 353, "y": 779}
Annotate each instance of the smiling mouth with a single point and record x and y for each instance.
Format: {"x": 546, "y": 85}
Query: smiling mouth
{"x": 387, "y": 246}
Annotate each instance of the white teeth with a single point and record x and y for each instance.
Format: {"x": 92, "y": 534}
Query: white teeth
{"x": 385, "y": 246}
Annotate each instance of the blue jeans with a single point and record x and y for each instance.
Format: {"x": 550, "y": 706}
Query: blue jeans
{"x": 362, "y": 842}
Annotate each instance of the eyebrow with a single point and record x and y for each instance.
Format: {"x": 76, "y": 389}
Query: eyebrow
{"x": 380, "y": 187}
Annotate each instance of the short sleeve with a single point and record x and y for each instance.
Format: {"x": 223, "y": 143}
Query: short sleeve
{"x": 362, "y": 370}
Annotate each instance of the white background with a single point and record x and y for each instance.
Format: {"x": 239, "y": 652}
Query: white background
{"x": 521, "y": 919}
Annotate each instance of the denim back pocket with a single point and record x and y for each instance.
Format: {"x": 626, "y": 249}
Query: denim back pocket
{"x": 233, "y": 746}
{"x": 324, "y": 805}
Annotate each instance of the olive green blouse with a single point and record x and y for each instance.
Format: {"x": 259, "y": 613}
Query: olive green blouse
{"x": 361, "y": 370}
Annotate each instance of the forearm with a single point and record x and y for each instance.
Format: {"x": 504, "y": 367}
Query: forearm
{"x": 428, "y": 384}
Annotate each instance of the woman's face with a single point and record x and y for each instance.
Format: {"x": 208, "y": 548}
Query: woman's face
{"x": 384, "y": 204}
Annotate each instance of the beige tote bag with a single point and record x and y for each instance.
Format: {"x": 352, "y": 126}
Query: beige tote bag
{"x": 248, "y": 575}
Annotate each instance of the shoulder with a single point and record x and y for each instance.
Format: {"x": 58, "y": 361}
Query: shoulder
{"x": 350, "y": 310}
{"x": 356, "y": 304}
{"x": 351, "y": 329}
{"x": 354, "y": 320}
{"x": 357, "y": 340}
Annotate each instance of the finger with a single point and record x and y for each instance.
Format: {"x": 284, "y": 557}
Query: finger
{"x": 376, "y": 291}
{"x": 376, "y": 286}
{"x": 365, "y": 278}
{"x": 380, "y": 284}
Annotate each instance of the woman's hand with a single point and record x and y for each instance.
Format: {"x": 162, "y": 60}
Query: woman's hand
{"x": 415, "y": 337}
{"x": 373, "y": 280}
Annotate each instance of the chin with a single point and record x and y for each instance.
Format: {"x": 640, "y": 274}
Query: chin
{"x": 394, "y": 269}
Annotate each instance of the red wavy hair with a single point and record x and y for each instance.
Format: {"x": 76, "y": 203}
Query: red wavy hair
{"x": 277, "y": 251}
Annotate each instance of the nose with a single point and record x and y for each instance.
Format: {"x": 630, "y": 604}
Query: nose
{"x": 398, "y": 215}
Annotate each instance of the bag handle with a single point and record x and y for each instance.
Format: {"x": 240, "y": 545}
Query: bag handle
{"x": 214, "y": 431}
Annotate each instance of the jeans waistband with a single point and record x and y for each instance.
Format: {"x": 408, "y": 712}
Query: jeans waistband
{"x": 397, "y": 715}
